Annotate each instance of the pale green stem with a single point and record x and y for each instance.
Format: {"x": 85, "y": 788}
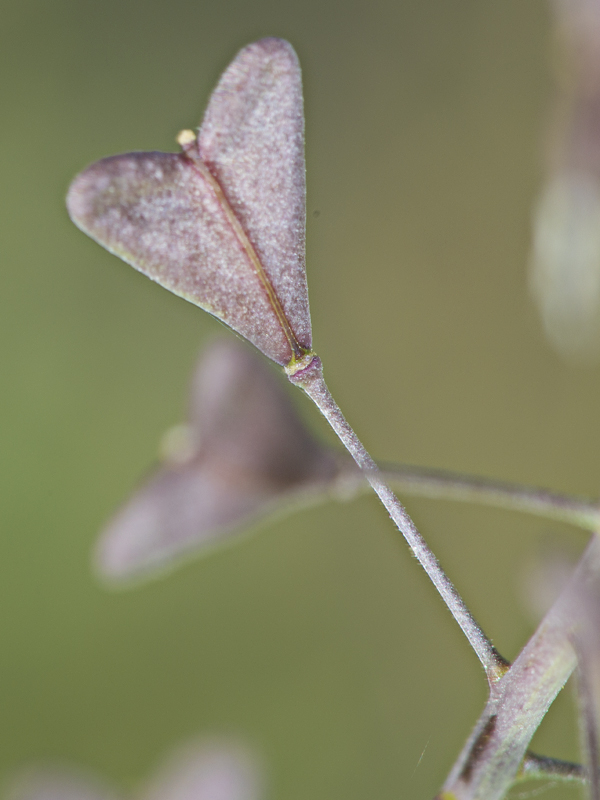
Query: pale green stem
{"x": 310, "y": 378}
{"x": 539, "y": 768}
{"x": 585, "y": 637}
{"x": 588, "y": 721}
{"x": 490, "y": 760}
{"x": 445, "y": 485}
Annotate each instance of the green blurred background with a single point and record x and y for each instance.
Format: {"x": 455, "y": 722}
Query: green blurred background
{"x": 319, "y": 640}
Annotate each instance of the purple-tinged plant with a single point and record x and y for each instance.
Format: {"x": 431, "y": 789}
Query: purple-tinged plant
{"x": 222, "y": 224}
{"x": 206, "y": 771}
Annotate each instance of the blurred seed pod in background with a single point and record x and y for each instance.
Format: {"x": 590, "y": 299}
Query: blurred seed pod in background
{"x": 199, "y": 771}
{"x": 565, "y": 259}
{"x": 244, "y": 453}
{"x": 207, "y": 771}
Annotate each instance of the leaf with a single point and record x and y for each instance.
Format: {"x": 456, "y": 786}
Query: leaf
{"x": 245, "y": 453}
{"x": 223, "y": 223}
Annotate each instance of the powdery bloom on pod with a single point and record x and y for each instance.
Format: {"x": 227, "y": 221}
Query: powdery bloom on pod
{"x": 243, "y": 454}
{"x": 221, "y": 224}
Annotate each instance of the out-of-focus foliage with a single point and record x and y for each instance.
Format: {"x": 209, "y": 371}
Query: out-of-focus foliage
{"x": 319, "y": 640}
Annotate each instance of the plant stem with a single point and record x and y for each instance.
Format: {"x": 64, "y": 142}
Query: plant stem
{"x": 585, "y": 638}
{"x": 310, "y": 378}
{"x": 588, "y": 721}
{"x": 445, "y": 485}
{"x": 490, "y": 760}
{"x": 538, "y": 768}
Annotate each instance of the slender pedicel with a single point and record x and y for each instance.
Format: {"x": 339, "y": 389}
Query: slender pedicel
{"x": 536, "y": 767}
{"x": 310, "y": 378}
{"x": 447, "y": 485}
{"x": 223, "y": 225}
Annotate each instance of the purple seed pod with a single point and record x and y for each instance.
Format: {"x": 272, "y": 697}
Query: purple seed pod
{"x": 221, "y": 224}
{"x": 244, "y": 453}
